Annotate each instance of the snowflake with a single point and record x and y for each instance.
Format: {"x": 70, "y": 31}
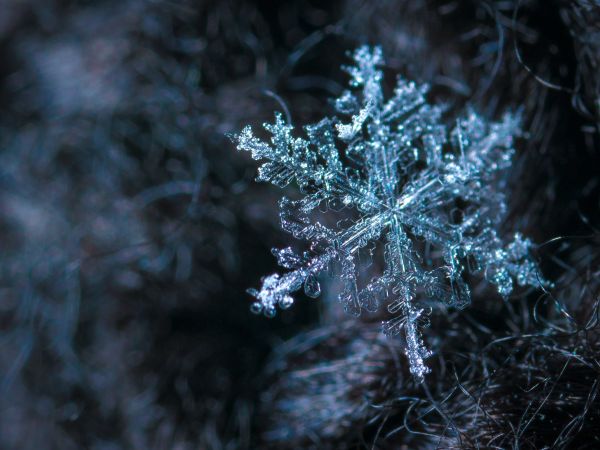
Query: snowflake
{"x": 433, "y": 197}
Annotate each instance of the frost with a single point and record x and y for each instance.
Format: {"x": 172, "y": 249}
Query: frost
{"x": 433, "y": 196}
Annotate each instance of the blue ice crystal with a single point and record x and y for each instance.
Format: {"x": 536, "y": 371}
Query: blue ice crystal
{"x": 433, "y": 196}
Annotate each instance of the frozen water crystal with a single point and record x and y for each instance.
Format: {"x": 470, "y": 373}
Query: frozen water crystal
{"x": 434, "y": 196}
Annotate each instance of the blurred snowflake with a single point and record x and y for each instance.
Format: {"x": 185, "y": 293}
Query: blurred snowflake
{"x": 434, "y": 195}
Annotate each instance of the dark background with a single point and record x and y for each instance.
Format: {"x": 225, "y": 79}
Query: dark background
{"x": 131, "y": 228}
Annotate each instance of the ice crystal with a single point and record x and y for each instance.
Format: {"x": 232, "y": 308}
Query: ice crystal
{"x": 434, "y": 196}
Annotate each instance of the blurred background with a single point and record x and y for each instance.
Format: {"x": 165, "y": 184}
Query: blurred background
{"x": 131, "y": 229}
